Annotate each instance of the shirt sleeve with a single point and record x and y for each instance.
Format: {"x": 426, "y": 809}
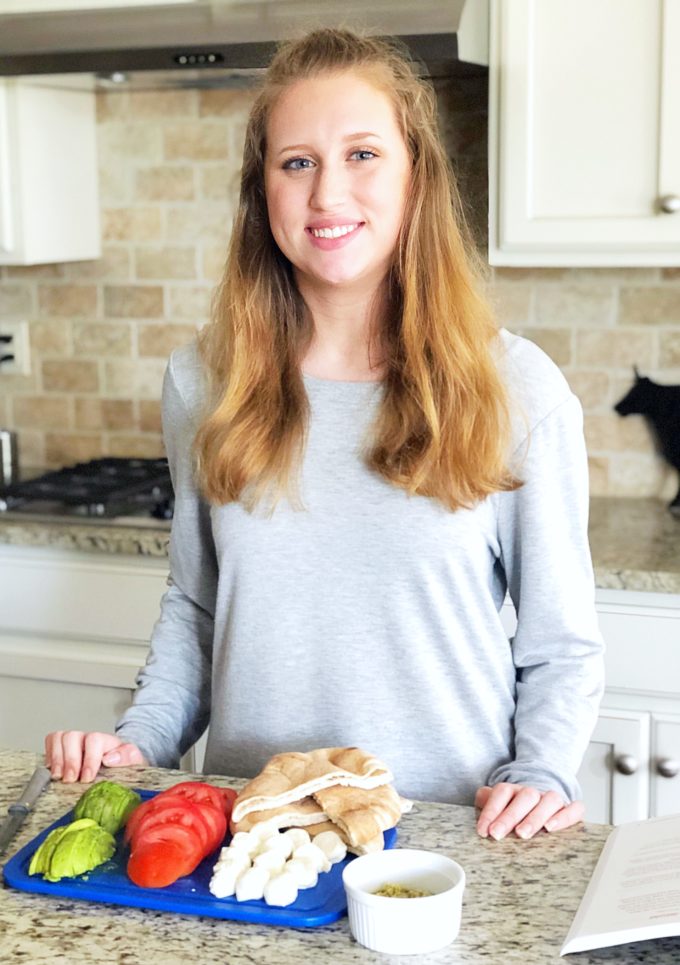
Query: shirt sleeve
{"x": 557, "y": 648}
{"x": 171, "y": 707}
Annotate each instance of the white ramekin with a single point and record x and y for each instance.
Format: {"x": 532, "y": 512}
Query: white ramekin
{"x": 404, "y": 926}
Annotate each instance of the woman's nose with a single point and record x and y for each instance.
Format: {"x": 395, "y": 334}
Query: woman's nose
{"x": 330, "y": 188}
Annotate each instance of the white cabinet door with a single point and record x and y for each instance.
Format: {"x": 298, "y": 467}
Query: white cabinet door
{"x": 620, "y": 743}
{"x": 49, "y": 194}
{"x": 665, "y": 765}
{"x": 584, "y": 129}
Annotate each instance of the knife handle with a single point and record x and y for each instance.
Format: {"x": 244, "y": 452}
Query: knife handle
{"x": 40, "y": 779}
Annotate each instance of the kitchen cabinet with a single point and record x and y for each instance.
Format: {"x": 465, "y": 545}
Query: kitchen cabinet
{"x": 584, "y": 132}
{"x": 631, "y": 769}
{"x": 49, "y": 195}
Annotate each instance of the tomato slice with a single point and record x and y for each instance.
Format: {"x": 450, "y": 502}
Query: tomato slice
{"x": 229, "y": 795}
{"x": 171, "y": 810}
{"x": 196, "y": 791}
{"x": 187, "y": 837}
{"x": 217, "y": 822}
{"x": 159, "y": 864}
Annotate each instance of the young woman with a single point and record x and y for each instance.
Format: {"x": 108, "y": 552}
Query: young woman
{"x": 363, "y": 466}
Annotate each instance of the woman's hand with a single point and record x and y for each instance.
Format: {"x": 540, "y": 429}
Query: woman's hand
{"x": 508, "y": 807}
{"x": 73, "y": 755}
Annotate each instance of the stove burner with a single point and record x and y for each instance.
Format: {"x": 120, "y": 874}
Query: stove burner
{"x": 102, "y": 487}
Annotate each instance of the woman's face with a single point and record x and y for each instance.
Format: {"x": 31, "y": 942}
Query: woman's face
{"x": 337, "y": 172}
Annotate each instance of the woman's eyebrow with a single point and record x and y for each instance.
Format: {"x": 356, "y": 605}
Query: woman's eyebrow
{"x": 347, "y": 137}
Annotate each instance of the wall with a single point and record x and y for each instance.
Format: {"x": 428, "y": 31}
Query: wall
{"x": 101, "y": 331}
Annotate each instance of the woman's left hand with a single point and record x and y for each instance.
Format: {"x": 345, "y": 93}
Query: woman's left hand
{"x": 508, "y": 807}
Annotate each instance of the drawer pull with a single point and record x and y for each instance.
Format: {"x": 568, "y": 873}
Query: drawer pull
{"x": 626, "y": 764}
{"x": 667, "y": 767}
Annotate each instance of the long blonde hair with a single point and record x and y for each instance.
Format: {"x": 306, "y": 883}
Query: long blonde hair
{"x": 441, "y": 427}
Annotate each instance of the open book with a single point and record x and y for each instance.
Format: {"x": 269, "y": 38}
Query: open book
{"x": 634, "y": 893}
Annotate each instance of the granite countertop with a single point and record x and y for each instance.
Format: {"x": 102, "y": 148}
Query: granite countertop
{"x": 519, "y": 902}
{"x": 635, "y": 543}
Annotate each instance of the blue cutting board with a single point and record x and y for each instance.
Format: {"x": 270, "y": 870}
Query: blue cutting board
{"x": 190, "y": 895}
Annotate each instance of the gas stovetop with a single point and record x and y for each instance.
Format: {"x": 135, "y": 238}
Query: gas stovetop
{"x": 99, "y": 489}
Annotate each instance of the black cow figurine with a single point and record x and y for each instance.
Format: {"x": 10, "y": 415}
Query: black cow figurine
{"x": 660, "y": 405}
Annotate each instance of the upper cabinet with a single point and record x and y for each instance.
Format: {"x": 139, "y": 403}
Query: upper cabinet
{"x": 49, "y": 203}
{"x": 584, "y": 132}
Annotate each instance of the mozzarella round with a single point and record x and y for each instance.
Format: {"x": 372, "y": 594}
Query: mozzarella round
{"x": 303, "y": 872}
{"x": 310, "y": 852}
{"x": 332, "y": 845}
{"x": 273, "y": 861}
{"x": 297, "y": 837}
{"x": 251, "y": 884}
{"x": 281, "y": 890}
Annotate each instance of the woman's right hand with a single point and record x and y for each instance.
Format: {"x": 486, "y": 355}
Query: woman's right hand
{"x": 73, "y": 755}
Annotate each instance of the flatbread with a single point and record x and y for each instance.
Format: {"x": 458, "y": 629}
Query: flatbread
{"x": 361, "y": 813}
{"x": 298, "y": 814}
{"x": 375, "y": 844}
{"x": 294, "y": 775}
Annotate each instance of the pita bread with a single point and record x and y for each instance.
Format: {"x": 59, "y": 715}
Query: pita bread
{"x": 298, "y": 814}
{"x": 362, "y": 814}
{"x": 375, "y": 844}
{"x": 294, "y": 775}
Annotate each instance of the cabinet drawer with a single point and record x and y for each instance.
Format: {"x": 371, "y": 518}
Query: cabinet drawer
{"x": 80, "y": 595}
{"x": 643, "y": 643}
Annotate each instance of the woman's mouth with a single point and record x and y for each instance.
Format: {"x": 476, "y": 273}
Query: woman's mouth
{"x": 333, "y": 236}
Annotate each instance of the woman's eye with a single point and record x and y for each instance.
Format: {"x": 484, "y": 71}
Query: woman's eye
{"x": 296, "y": 164}
{"x": 366, "y": 155}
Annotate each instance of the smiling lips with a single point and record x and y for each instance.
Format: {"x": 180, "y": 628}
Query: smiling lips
{"x": 333, "y": 236}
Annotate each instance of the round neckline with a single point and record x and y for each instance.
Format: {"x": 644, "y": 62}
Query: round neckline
{"x": 320, "y": 381}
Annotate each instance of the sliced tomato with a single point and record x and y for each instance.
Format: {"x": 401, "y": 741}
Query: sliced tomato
{"x": 171, "y": 811}
{"x": 217, "y": 821}
{"x": 196, "y": 791}
{"x": 229, "y": 795}
{"x": 160, "y": 863}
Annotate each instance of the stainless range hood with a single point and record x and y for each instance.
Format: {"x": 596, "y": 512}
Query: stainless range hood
{"x": 161, "y": 43}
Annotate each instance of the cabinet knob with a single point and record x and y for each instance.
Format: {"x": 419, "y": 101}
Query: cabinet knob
{"x": 670, "y": 203}
{"x": 626, "y": 764}
{"x": 667, "y": 767}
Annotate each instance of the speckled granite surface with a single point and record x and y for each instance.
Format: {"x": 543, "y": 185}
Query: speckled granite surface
{"x": 635, "y": 542}
{"x": 518, "y": 905}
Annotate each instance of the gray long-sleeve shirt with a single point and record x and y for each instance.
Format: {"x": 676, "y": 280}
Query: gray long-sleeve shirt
{"x": 371, "y": 617}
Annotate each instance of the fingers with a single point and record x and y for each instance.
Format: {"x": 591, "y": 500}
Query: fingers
{"x": 124, "y": 755}
{"x": 73, "y": 755}
{"x": 571, "y": 814}
{"x": 524, "y": 810}
{"x": 54, "y": 756}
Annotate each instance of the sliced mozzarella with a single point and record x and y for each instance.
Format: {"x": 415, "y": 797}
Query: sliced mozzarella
{"x": 281, "y": 890}
{"x": 273, "y": 861}
{"x": 277, "y": 842}
{"x": 297, "y": 837}
{"x": 303, "y": 872}
{"x": 223, "y": 882}
{"x": 310, "y": 852}
{"x": 245, "y": 841}
{"x": 234, "y": 858}
{"x": 332, "y": 845}
{"x": 251, "y": 884}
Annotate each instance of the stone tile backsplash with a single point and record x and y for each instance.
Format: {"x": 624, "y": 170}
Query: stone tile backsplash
{"x": 101, "y": 331}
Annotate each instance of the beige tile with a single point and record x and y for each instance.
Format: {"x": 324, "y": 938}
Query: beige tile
{"x": 614, "y": 348}
{"x": 130, "y": 141}
{"x": 592, "y": 388}
{"x": 225, "y": 103}
{"x": 165, "y": 182}
{"x": 158, "y": 341}
{"x": 511, "y": 303}
{"x": 104, "y": 414}
{"x": 34, "y": 272}
{"x": 114, "y": 265}
{"x": 219, "y": 182}
{"x": 614, "y": 433}
{"x": 585, "y": 306}
{"x": 51, "y": 337}
{"x": 102, "y": 339}
{"x": 141, "y": 379}
{"x": 115, "y": 179}
{"x": 150, "y": 416}
{"x": 64, "y": 449}
{"x": 530, "y": 274}
{"x": 146, "y": 105}
{"x": 31, "y": 449}
{"x": 201, "y": 222}
{"x": 128, "y": 446}
{"x": 15, "y": 299}
{"x": 4, "y": 411}
{"x": 598, "y": 472}
{"x": 70, "y": 375}
{"x": 131, "y": 224}
{"x": 67, "y": 300}
{"x": 555, "y": 342}
{"x": 165, "y": 263}
{"x": 41, "y": 412}
{"x": 636, "y": 474}
{"x": 202, "y": 140}
{"x": 21, "y": 384}
{"x": 213, "y": 262}
{"x": 653, "y": 305}
{"x": 619, "y": 276}
{"x": 669, "y": 349}
{"x": 189, "y": 301}
{"x": 670, "y": 274}
{"x": 133, "y": 301}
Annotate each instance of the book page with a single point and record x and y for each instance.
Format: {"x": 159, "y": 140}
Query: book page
{"x": 634, "y": 893}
